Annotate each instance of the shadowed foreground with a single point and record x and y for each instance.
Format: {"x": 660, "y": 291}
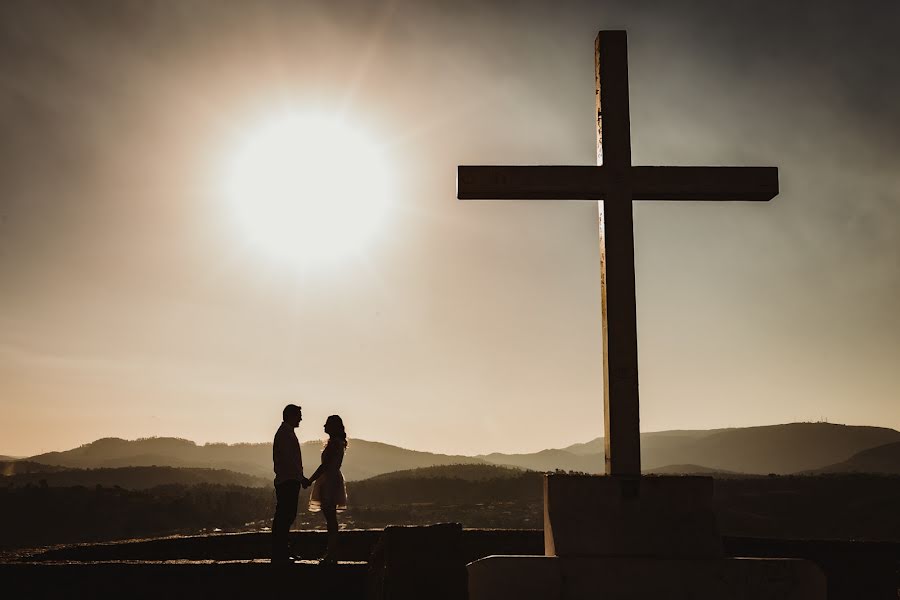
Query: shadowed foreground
{"x": 232, "y": 565}
{"x": 183, "y": 579}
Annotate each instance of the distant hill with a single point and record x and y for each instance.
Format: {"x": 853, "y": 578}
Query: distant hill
{"x": 782, "y": 449}
{"x": 134, "y": 478}
{"x": 255, "y": 459}
{"x": 650, "y": 441}
{"x": 658, "y": 449}
{"x": 364, "y": 459}
{"x": 882, "y": 459}
{"x": 691, "y": 470}
{"x": 449, "y": 485}
{"x": 594, "y": 446}
{"x": 549, "y": 460}
{"x": 472, "y": 472}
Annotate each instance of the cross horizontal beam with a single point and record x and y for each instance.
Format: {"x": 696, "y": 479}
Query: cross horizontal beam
{"x": 595, "y": 183}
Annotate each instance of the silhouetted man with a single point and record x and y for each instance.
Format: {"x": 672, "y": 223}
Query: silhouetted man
{"x": 288, "y": 480}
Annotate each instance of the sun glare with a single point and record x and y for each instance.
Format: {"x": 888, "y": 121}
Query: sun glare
{"x": 309, "y": 190}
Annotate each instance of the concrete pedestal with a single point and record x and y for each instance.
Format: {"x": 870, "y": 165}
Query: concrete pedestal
{"x": 635, "y": 538}
{"x": 630, "y": 578}
{"x": 651, "y": 516}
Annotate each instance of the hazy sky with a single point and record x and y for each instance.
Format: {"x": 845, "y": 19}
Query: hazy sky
{"x": 132, "y": 305}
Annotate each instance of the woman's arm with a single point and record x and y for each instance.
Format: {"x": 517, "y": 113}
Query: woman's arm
{"x": 317, "y": 473}
{"x": 328, "y": 459}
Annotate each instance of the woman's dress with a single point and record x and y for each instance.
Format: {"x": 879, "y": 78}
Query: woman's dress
{"x": 329, "y": 488}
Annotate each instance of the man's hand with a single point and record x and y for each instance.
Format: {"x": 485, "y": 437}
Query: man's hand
{"x": 305, "y": 482}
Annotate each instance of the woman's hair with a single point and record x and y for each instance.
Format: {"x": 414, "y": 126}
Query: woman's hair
{"x": 337, "y": 427}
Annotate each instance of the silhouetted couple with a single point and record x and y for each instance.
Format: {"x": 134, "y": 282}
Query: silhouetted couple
{"x": 328, "y": 495}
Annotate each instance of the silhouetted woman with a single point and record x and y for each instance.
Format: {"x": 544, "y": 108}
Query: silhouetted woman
{"x": 329, "y": 493}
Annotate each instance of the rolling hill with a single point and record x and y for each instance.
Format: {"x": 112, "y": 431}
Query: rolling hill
{"x": 471, "y": 472}
{"x": 549, "y": 460}
{"x": 692, "y": 470}
{"x": 881, "y": 459}
{"x": 649, "y": 440}
{"x": 782, "y": 449}
{"x": 254, "y": 459}
{"x": 364, "y": 459}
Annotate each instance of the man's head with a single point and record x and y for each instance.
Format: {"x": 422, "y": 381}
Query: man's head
{"x": 292, "y": 415}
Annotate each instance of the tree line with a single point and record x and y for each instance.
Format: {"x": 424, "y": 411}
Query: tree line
{"x": 796, "y": 507}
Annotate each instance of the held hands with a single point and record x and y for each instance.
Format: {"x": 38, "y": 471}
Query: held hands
{"x": 305, "y": 483}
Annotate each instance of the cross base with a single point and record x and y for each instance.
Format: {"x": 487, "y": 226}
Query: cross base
{"x": 624, "y": 515}
{"x": 633, "y": 578}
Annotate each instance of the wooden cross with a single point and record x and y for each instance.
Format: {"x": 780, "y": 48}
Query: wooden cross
{"x": 616, "y": 183}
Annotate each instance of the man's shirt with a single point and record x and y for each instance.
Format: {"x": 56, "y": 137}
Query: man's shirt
{"x": 286, "y": 455}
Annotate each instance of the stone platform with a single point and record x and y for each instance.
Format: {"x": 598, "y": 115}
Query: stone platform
{"x": 629, "y": 578}
{"x": 855, "y": 570}
{"x": 649, "y": 516}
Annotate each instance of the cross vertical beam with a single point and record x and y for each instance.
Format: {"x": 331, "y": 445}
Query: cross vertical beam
{"x": 617, "y": 285}
{"x": 615, "y": 183}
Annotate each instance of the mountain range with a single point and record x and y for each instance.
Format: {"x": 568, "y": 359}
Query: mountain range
{"x": 780, "y": 449}
{"x": 364, "y": 458}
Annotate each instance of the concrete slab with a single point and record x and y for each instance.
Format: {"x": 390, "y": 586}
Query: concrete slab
{"x": 515, "y": 576}
{"x": 629, "y": 578}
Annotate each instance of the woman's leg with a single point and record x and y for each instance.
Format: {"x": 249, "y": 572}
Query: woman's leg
{"x": 330, "y": 512}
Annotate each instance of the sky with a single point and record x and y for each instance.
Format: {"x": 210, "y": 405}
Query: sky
{"x": 133, "y": 303}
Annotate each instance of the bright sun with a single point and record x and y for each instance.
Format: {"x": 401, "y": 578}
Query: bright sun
{"x": 308, "y": 189}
